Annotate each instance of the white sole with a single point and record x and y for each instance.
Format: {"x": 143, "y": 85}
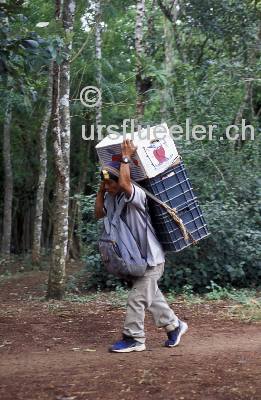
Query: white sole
{"x": 142, "y": 347}
{"x": 183, "y": 329}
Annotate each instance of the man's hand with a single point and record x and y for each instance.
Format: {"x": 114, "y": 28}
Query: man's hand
{"x": 128, "y": 148}
{"x": 102, "y": 188}
{"x": 99, "y": 203}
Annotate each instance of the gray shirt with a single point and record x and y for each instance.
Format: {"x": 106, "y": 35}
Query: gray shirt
{"x": 139, "y": 222}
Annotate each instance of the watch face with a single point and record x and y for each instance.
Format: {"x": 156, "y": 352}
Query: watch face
{"x": 125, "y": 160}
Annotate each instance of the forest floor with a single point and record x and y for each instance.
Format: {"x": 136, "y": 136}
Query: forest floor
{"x": 59, "y": 350}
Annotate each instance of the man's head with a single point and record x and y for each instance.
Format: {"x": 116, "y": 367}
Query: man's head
{"x": 109, "y": 175}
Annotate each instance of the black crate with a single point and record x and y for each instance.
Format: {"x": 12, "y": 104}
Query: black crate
{"x": 169, "y": 233}
{"x": 173, "y": 188}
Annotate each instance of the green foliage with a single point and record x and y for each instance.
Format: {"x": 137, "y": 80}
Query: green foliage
{"x": 20, "y": 47}
{"x": 215, "y": 52}
{"x": 231, "y": 255}
{"x": 241, "y": 296}
{"x": 246, "y": 304}
{"x": 217, "y": 292}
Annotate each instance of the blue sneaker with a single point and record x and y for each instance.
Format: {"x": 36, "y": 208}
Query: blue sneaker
{"x": 126, "y": 345}
{"x": 175, "y": 335}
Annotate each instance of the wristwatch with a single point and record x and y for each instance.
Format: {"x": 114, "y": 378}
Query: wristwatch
{"x": 125, "y": 160}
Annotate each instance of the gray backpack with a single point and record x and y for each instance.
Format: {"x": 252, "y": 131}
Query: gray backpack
{"x": 119, "y": 250}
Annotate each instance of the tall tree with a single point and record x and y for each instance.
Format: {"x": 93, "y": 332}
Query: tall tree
{"x": 36, "y": 247}
{"x": 170, "y": 9}
{"x": 61, "y": 132}
{"x": 98, "y": 53}
{"x": 139, "y": 47}
{"x": 8, "y": 181}
{"x": 170, "y": 12}
{"x": 247, "y": 101}
{"x": 167, "y": 93}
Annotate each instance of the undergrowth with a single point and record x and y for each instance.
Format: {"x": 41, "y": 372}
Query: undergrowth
{"x": 244, "y": 304}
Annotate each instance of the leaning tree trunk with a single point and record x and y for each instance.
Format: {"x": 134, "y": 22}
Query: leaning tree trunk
{"x": 61, "y": 132}
{"x": 8, "y": 183}
{"x": 139, "y": 47}
{"x": 98, "y": 53}
{"x": 36, "y": 248}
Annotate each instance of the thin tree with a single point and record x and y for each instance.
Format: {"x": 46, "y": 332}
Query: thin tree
{"x": 98, "y": 54}
{"x": 139, "y": 47}
{"x": 8, "y": 181}
{"x": 167, "y": 92}
{"x": 61, "y": 133}
{"x": 36, "y": 247}
{"x": 170, "y": 12}
{"x": 8, "y": 172}
{"x": 252, "y": 59}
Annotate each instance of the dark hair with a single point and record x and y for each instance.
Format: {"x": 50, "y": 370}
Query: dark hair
{"x": 111, "y": 176}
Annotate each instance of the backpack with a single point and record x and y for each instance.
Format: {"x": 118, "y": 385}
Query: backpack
{"x": 118, "y": 248}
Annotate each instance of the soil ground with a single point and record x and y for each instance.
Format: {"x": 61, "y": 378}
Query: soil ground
{"x": 58, "y": 351}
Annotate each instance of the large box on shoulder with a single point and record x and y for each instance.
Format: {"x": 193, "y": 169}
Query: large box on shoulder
{"x": 156, "y": 151}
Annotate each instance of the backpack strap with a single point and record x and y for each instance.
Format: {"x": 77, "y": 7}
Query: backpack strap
{"x": 123, "y": 216}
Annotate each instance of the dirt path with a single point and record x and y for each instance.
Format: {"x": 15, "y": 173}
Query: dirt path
{"x": 59, "y": 352}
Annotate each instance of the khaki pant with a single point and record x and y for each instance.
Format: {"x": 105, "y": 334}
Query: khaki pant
{"x": 145, "y": 295}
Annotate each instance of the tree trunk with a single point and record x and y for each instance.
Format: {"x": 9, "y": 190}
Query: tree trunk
{"x": 8, "y": 183}
{"x": 171, "y": 10}
{"x": 61, "y": 131}
{"x": 170, "y": 13}
{"x": 74, "y": 241}
{"x": 252, "y": 59}
{"x": 98, "y": 53}
{"x": 36, "y": 248}
{"x": 139, "y": 47}
{"x": 167, "y": 95}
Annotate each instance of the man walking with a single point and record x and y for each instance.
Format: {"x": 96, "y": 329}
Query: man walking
{"x": 116, "y": 188}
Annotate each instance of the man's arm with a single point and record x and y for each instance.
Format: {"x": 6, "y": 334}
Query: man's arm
{"x": 128, "y": 149}
{"x": 99, "y": 204}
